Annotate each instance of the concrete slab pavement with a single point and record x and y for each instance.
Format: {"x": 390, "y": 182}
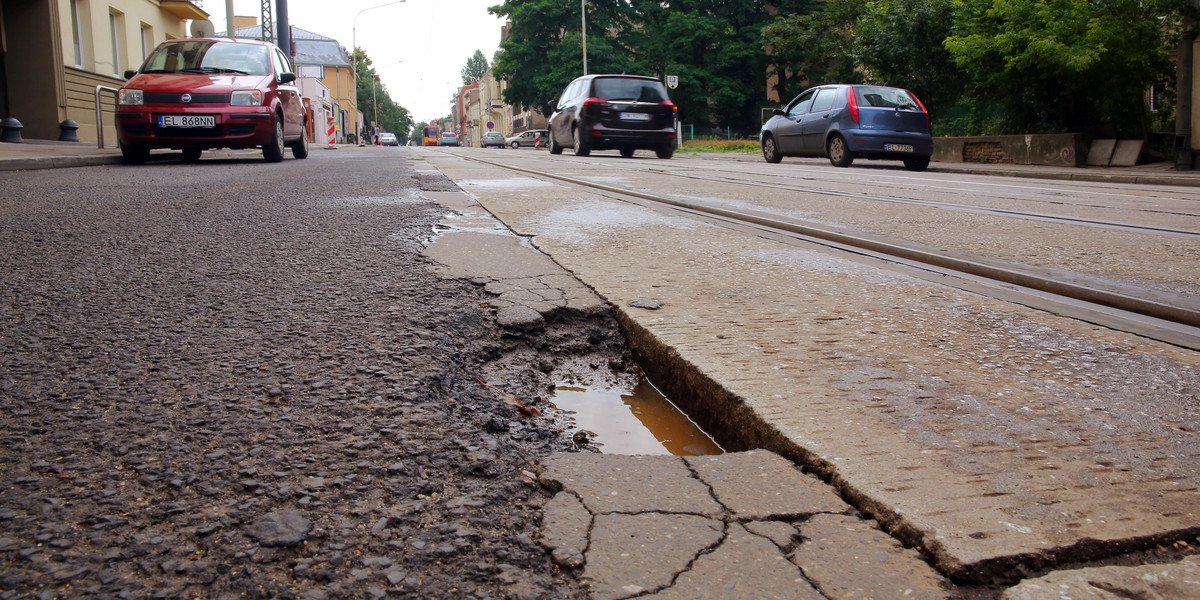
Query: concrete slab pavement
{"x": 739, "y": 525}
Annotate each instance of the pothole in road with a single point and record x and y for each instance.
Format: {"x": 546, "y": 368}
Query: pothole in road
{"x": 636, "y": 419}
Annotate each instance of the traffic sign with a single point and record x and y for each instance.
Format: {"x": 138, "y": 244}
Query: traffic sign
{"x": 672, "y": 81}
{"x": 491, "y": 125}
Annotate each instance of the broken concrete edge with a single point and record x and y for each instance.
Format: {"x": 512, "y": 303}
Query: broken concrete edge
{"x": 570, "y": 549}
{"x": 516, "y": 324}
{"x": 1011, "y": 570}
{"x": 726, "y": 417}
{"x": 1155, "y": 580}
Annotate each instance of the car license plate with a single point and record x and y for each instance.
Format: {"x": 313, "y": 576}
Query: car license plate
{"x": 898, "y": 147}
{"x": 626, "y": 116}
{"x": 187, "y": 121}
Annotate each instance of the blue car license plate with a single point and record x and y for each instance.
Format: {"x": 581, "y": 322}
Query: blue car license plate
{"x": 898, "y": 147}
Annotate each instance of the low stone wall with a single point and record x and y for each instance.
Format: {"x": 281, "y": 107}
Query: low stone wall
{"x": 1062, "y": 149}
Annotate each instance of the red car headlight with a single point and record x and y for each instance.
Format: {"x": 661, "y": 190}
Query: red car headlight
{"x": 246, "y": 98}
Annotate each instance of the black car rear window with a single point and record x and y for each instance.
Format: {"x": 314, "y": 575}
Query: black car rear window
{"x": 633, "y": 90}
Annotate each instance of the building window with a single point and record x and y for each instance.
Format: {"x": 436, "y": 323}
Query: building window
{"x": 1156, "y": 97}
{"x": 147, "y": 40}
{"x": 77, "y": 33}
{"x": 114, "y": 25}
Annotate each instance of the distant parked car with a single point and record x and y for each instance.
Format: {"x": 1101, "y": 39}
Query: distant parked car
{"x": 527, "y": 138}
{"x": 197, "y": 94}
{"x": 492, "y": 138}
{"x": 448, "y": 139}
{"x": 844, "y": 122}
{"x": 388, "y": 139}
{"x": 625, "y": 112}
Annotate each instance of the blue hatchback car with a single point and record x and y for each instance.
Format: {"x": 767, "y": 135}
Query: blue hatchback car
{"x": 844, "y": 122}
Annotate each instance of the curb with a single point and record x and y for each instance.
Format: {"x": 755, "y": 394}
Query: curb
{"x": 56, "y": 162}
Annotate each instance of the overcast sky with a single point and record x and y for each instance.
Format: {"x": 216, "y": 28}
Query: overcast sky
{"x": 418, "y": 46}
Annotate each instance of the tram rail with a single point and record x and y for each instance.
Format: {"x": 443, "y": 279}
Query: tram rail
{"x": 1172, "y": 322}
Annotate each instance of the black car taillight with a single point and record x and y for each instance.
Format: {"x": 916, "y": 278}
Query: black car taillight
{"x": 594, "y": 101}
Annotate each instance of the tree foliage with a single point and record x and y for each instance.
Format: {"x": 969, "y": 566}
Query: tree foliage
{"x": 543, "y": 52}
{"x": 810, "y": 45}
{"x": 1015, "y": 65}
{"x": 900, "y": 43}
{"x": 713, "y": 46}
{"x": 715, "y": 49}
{"x": 1064, "y": 65}
{"x": 476, "y": 66}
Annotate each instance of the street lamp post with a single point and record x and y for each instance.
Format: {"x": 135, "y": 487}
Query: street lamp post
{"x": 354, "y": 55}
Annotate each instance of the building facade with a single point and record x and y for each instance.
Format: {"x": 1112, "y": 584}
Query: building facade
{"x": 486, "y": 105}
{"x": 55, "y": 52}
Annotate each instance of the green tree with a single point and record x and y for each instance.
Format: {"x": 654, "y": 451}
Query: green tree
{"x": 715, "y": 48}
{"x": 900, "y": 43}
{"x": 544, "y": 51}
{"x": 810, "y": 44}
{"x": 476, "y": 66}
{"x": 1064, "y": 65}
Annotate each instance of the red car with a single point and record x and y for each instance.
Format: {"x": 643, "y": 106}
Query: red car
{"x": 198, "y": 94}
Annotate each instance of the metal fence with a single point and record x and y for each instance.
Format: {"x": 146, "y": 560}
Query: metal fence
{"x": 689, "y": 131}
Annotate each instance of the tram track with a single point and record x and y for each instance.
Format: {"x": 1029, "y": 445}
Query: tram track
{"x": 1159, "y": 318}
{"x": 1020, "y": 214}
{"x": 1133, "y": 227}
{"x": 1022, "y": 192}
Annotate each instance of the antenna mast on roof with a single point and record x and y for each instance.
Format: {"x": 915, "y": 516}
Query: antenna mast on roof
{"x": 268, "y": 23}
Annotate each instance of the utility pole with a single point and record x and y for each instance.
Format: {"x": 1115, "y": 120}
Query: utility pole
{"x": 284, "y": 30}
{"x": 583, "y": 28}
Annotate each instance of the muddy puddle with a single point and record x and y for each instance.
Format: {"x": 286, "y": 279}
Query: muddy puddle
{"x": 634, "y": 419}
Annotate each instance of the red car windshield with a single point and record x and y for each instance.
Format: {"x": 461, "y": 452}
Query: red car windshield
{"x": 209, "y": 57}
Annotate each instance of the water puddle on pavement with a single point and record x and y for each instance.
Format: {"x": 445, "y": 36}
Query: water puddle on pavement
{"x": 633, "y": 421}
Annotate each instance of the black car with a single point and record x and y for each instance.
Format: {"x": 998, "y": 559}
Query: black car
{"x": 622, "y": 112}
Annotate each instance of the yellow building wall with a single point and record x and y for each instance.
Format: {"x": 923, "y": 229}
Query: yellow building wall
{"x": 340, "y": 81}
{"x": 98, "y": 67}
{"x": 131, "y": 17}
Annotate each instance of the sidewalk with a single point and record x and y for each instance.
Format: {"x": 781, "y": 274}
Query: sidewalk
{"x": 49, "y": 154}
{"x": 52, "y": 154}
